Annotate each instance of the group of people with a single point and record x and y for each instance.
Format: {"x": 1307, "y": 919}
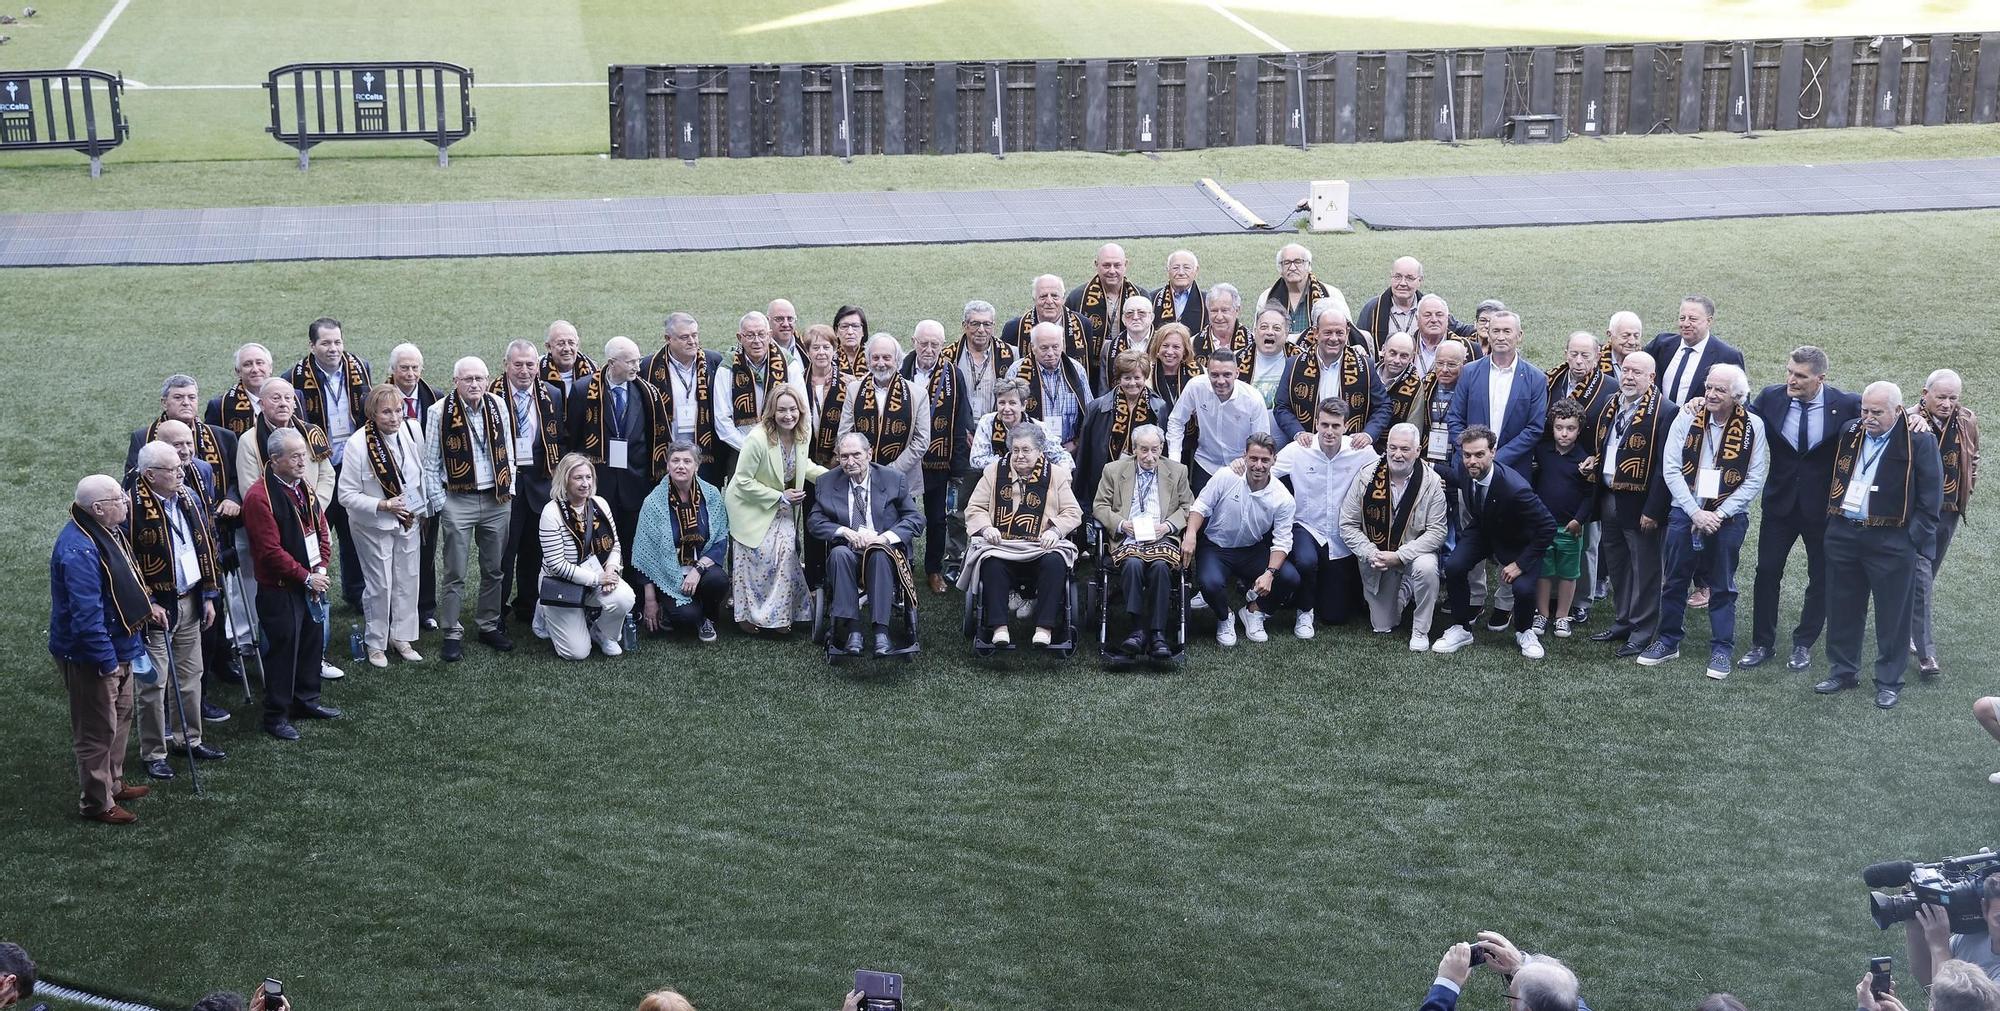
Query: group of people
{"x": 1285, "y": 452}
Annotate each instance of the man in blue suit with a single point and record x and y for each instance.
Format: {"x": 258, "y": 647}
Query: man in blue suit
{"x": 1685, "y": 356}
{"x": 1539, "y": 982}
{"x": 1803, "y": 414}
{"x": 1509, "y": 395}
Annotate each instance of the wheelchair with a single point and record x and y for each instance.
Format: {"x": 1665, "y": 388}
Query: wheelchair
{"x": 902, "y": 624}
{"x": 1103, "y": 577}
{"x": 974, "y": 625}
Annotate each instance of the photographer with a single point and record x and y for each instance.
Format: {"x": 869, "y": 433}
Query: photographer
{"x": 225, "y": 1000}
{"x": 1533, "y": 982}
{"x": 1960, "y": 986}
{"x": 1931, "y": 941}
{"x": 17, "y": 974}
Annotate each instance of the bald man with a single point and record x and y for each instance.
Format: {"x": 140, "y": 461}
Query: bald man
{"x": 98, "y": 607}
{"x": 784, "y": 321}
{"x": 470, "y": 453}
{"x": 1395, "y": 310}
{"x": 564, "y": 361}
{"x": 624, "y": 424}
{"x": 1100, "y": 300}
{"x": 1628, "y": 433}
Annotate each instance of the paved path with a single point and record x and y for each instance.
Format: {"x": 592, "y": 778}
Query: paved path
{"x": 676, "y": 224}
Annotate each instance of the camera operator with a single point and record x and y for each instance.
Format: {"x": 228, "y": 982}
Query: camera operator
{"x": 1960, "y": 986}
{"x": 1533, "y": 982}
{"x": 17, "y": 974}
{"x": 1931, "y": 941}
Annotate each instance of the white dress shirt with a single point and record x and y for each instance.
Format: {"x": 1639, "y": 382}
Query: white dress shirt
{"x": 1499, "y": 386}
{"x": 1686, "y": 358}
{"x": 1233, "y": 516}
{"x": 1223, "y": 424}
{"x": 1319, "y": 487}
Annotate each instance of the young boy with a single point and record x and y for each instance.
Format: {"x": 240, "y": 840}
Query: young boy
{"x": 1563, "y": 480}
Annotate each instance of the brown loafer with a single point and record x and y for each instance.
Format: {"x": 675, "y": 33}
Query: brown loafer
{"x": 131, "y": 792}
{"x": 116, "y": 816}
{"x": 937, "y": 583}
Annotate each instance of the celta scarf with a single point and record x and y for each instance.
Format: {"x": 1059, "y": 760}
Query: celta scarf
{"x": 1033, "y": 406}
{"x": 1561, "y": 385}
{"x": 305, "y": 379}
{"x": 207, "y": 448}
{"x": 1353, "y": 388}
{"x": 1000, "y": 352}
{"x": 1383, "y": 519}
{"x": 1889, "y": 499}
{"x": 1732, "y": 457}
{"x": 316, "y": 445}
{"x": 1403, "y": 395}
{"x": 1128, "y": 414}
{"x": 889, "y": 426}
{"x": 826, "y": 427}
{"x": 1019, "y": 516}
{"x": 1637, "y": 446}
{"x": 1239, "y": 342}
{"x": 666, "y": 388}
{"x": 456, "y": 449}
{"x": 152, "y": 541}
{"x": 546, "y": 447}
{"x": 1952, "y": 453}
{"x": 943, "y": 395}
{"x": 690, "y": 521}
{"x": 594, "y": 440}
{"x": 239, "y": 411}
{"x": 1075, "y": 344}
{"x": 295, "y": 523}
{"x": 130, "y": 606}
{"x": 744, "y": 385}
{"x": 584, "y": 368}
{"x": 388, "y": 473}
{"x": 1377, "y": 323}
{"x": 1096, "y": 306}
{"x": 1163, "y": 304}
{"x": 1315, "y": 290}
{"x": 591, "y": 530}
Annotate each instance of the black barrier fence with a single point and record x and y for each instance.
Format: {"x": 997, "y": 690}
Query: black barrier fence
{"x": 63, "y": 110}
{"x": 312, "y": 103}
{"x": 1183, "y": 103}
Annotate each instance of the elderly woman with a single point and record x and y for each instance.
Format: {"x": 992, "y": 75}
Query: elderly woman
{"x": 683, "y": 532}
{"x": 580, "y": 548}
{"x": 1010, "y": 411}
{"x": 1109, "y": 421}
{"x": 1133, "y": 332}
{"x": 764, "y": 500}
{"x": 850, "y": 339}
{"x": 1020, "y": 518}
{"x": 1142, "y": 503}
{"x": 382, "y": 489}
{"x": 826, "y": 392}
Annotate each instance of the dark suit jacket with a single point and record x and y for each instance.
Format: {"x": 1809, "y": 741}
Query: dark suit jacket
{"x": 1287, "y": 423}
{"x": 1654, "y": 501}
{"x": 1093, "y": 441}
{"x": 1665, "y": 346}
{"x": 1374, "y": 318}
{"x": 1514, "y": 524}
{"x": 533, "y": 476}
{"x": 1926, "y": 488}
{"x": 426, "y": 396}
{"x": 1521, "y": 425}
{"x": 1799, "y": 482}
{"x": 890, "y": 505}
{"x": 1193, "y": 315}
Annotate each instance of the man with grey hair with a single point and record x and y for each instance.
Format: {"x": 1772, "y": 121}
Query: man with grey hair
{"x": 1435, "y": 329}
{"x": 981, "y": 360}
{"x": 97, "y": 609}
{"x": 683, "y": 374}
{"x": 1629, "y": 433}
{"x": 1957, "y": 431}
{"x": 1396, "y": 310}
{"x": 565, "y": 361}
{"x": 1297, "y": 289}
{"x": 1100, "y": 301}
{"x": 289, "y": 546}
{"x": 171, "y": 541}
{"x": 621, "y": 422}
{"x": 1224, "y": 326}
{"x": 469, "y": 456}
{"x": 1058, "y": 385}
{"x": 1180, "y": 299}
{"x": 1804, "y": 412}
{"x": 1393, "y": 517}
{"x": 1883, "y": 506}
{"x": 868, "y": 516}
{"x": 238, "y": 409}
{"x": 749, "y": 376}
{"x": 1533, "y": 982}
{"x": 1047, "y": 306}
{"x": 946, "y": 456}
{"x": 1623, "y": 335}
{"x": 406, "y": 373}
{"x": 1715, "y": 461}
{"x": 891, "y": 411}
{"x": 1142, "y": 501}
{"x": 538, "y": 408}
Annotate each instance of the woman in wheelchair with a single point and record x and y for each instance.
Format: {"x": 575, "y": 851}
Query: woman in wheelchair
{"x": 1010, "y": 406}
{"x": 1020, "y": 518}
{"x": 1142, "y": 503}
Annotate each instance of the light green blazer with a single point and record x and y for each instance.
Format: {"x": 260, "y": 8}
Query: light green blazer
{"x": 754, "y": 491}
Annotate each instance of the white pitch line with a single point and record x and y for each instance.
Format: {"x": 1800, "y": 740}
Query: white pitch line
{"x": 90, "y": 44}
{"x": 1262, "y": 35}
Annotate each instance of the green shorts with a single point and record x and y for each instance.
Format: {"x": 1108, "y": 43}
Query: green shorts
{"x": 1564, "y": 559}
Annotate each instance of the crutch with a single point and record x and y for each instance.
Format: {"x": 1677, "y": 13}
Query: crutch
{"x": 241, "y": 596}
{"x": 173, "y": 687}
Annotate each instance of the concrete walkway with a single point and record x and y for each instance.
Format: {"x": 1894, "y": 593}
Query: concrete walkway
{"x": 681, "y": 224}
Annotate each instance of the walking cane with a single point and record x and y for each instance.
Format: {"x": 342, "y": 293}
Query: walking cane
{"x": 256, "y": 646}
{"x": 180, "y": 708}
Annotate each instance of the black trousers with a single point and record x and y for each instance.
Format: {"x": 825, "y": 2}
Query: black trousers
{"x": 1776, "y": 533}
{"x": 521, "y": 566}
{"x": 1328, "y": 586}
{"x": 1047, "y": 576}
{"x": 350, "y": 561}
{"x": 1149, "y": 592}
{"x": 1869, "y": 561}
{"x": 625, "y": 492}
{"x": 709, "y": 593}
{"x": 427, "y": 575}
{"x": 843, "y": 574}
{"x": 937, "y": 488}
{"x": 294, "y": 646}
{"x": 1471, "y": 552}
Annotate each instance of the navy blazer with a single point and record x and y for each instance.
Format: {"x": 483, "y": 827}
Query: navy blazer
{"x": 1377, "y": 425}
{"x": 1654, "y": 501}
{"x": 890, "y": 506}
{"x": 1926, "y": 491}
{"x": 1666, "y": 345}
{"x": 1799, "y": 483}
{"x": 1527, "y": 410}
{"x": 1514, "y": 524}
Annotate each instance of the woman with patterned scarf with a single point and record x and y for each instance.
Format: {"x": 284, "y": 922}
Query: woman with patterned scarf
{"x": 1175, "y": 364}
{"x": 850, "y": 339}
{"x": 386, "y": 502}
{"x": 580, "y": 547}
{"x": 1020, "y": 519}
{"x": 1109, "y": 421}
{"x": 683, "y": 536}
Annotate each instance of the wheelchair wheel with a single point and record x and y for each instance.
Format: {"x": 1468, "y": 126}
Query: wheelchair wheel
{"x": 820, "y": 622}
{"x": 969, "y": 617}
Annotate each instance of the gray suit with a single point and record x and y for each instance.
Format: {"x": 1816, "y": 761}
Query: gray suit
{"x": 1423, "y": 538}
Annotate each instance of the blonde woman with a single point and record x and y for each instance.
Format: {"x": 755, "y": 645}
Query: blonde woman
{"x": 382, "y": 489}
{"x": 765, "y": 499}
{"x": 580, "y": 547}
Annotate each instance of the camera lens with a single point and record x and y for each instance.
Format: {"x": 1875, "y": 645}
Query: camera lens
{"x": 1888, "y": 909}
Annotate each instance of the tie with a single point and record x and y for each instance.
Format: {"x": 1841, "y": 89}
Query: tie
{"x": 299, "y": 496}
{"x": 618, "y": 401}
{"x": 1478, "y": 499}
{"x": 1680, "y": 372}
{"x": 410, "y": 408}
{"x": 521, "y": 412}
{"x": 859, "y": 506}
{"x": 1144, "y": 503}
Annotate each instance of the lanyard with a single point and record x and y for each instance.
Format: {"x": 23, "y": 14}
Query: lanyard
{"x": 1868, "y": 462}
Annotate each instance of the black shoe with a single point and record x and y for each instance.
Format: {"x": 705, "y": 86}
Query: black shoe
{"x": 1756, "y": 656}
{"x": 159, "y": 769}
{"x": 1162, "y": 649}
{"x": 1885, "y": 698}
{"x": 1801, "y": 658}
{"x": 853, "y": 644}
{"x": 1135, "y": 643}
{"x": 1628, "y": 650}
{"x": 497, "y": 639}
{"x": 1499, "y": 621}
{"x": 454, "y": 650}
{"x": 1610, "y": 634}
{"x": 1928, "y": 669}
{"x": 315, "y": 712}
{"x": 203, "y": 752}
{"x": 212, "y": 713}
{"x": 1579, "y": 614}
{"x": 883, "y": 647}
{"x": 1835, "y": 684}
{"x": 282, "y": 731}
{"x": 232, "y": 672}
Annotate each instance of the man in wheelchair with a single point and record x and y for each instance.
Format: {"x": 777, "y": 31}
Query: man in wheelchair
{"x": 1019, "y": 519}
{"x": 866, "y": 512}
{"x": 1142, "y": 503}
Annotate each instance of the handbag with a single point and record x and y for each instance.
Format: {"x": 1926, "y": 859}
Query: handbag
{"x": 563, "y": 593}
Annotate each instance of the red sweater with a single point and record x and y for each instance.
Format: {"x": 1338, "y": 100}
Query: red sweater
{"x": 274, "y": 565}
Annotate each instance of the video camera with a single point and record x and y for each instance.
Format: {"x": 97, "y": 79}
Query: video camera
{"x": 1952, "y": 885}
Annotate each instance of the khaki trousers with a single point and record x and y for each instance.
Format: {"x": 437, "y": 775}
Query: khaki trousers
{"x": 100, "y": 722}
{"x": 158, "y": 722}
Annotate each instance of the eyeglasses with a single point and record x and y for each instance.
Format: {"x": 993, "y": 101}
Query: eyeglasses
{"x": 979, "y": 324}
{"x": 1405, "y": 277}
{"x": 1293, "y": 263}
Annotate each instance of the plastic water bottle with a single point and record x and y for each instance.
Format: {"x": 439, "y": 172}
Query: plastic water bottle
{"x": 354, "y": 642}
{"x": 142, "y": 667}
{"x": 631, "y": 637}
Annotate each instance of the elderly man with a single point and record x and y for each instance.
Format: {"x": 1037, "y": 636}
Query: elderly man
{"x": 98, "y": 607}
{"x": 1296, "y": 290}
{"x": 1805, "y": 412}
{"x": 1134, "y": 332}
{"x": 238, "y": 409}
{"x": 1686, "y": 357}
{"x": 1142, "y": 502}
{"x": 1532, "y": 982}
{"x": 564, "y": 361}
{"x": 1058, "y": 385}
{"x": 684, "y": 375}
{"x": 1242, "y": 525}
{"x": 750, "y": 375}
{"x": 1436, "y": 328}
{"x": 220, "y": 663}
{"x": 947, "y": 452}
{"x": 1393, "y": 519}
{"x": 1623, "y": 335}
{"x": 171, "y": 541}
{"x": 538, "y": 408}
{"x": 1227, "y": 412}
{"x": 1100, "y": 300}
{"x": 1715, "y": 461}
{"x": 1402, "y": 382}
{"x": 1318, "y": 472}
{"x": 623, "y": 424}
{"x": 406, "y": 373}
{"x": 891, "y": 411}
{"x": 867, "y": 513}
{"x": 784, "y": 319}
{"x": 1883, "y": 507}
{"x": 1433, "y": 403}
{"x": 981, "y": 360}
{"x": 1630, "y": 433}
{"x": 1399, "y": 308}
{"x": 1329, "y": 367}
{"x": 1582, "y": 376}
{"x": 1957, "y": 432}
{"x": 1047, "y": 307}
{"x": 280, "y": 412}
{"x": 1180, "y": 299}
{"x": 1223, "y": 325}
{"x": 469, "y": 459}
{"x": 332, "y": 383}
{"x": 1500, "y": 520}
{"x": 289, "y": 545}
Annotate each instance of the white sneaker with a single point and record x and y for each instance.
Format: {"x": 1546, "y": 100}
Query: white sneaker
{"x": 1531, "y": 646}
{"x": 1303, "y": 627}
{"x": 1454, "y": 639}
{"x": 1419, "y": 642}
{"x": 1225, "y": 630}
{"x": 612, "y": 647}
{"x": 1253, "y": 625}
{"x": 329, "y": 672}
{"x": 1994, "y": 779}
{"x": 1562, "y": 628}
{"x": 1195, "y": 603}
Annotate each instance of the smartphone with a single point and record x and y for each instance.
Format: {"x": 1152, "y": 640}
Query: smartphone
{"x": 274, "y": 995}
{"x": 879, "y": 986}
{"x": 1478, "y": 954}
{"x": 1878, "y": 975}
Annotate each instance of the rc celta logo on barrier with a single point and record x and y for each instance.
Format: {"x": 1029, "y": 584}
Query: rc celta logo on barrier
{"x": 17, "y": 97}
{"x": 368, "y": 86}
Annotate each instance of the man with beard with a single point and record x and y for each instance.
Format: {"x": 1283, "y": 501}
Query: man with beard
{"x": 1393, "y": 519}
{"x": 1328, "y": 367}
{"x": 1228, "y": 412}
{"x": 1957, "y": 431}
{"x": 1180, "y": 299}
{"x": 1501, "y": 519}
{"x": 1630, "y": 432}
{"x": 1243, "y": 525}
{"x": 891, "y": 411}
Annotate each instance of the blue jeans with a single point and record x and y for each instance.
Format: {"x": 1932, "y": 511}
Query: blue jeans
{"x": 1714, "y": 564}
{"x": 1217, "y": 567}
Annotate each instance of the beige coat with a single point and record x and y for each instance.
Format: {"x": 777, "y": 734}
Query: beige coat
{"x": 1121, "y": 479}
{"x": 1063, "y": 516}
{"x": 1424, "y": 535}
